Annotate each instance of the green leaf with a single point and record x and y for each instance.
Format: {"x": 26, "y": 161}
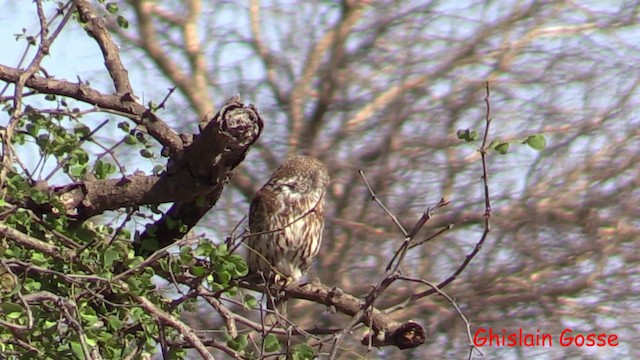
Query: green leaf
{"x": 80, "y": 156}
{"x": 123, "y": 22}
{"x": 77, "y": 170}
{"x": 32, "y": 285}
{"x": 76, "y": 348}
{"x": 467, "y": 135}
{"x": 99, "y": 170}
{"x": 238, "y": 343}
{"x": 216, "y": 287}
{"x": 115, "y": 323}
{"x": 250, "y": 302}
{"x": 303, "y": 352}
{"x": 157, "y": 169}
{"x": 89, "y": 316}
{"x": 43, "y": 141}
{"x": 82, "y": 130}
{"x": 18, "y": 138}
{"x": 232, "y": 291}
{"x": 137, "y": 313}
{"x": 104, "y": 336}
{"x": 536, "y": 142}
{"x": 140, "y": 137}
{"x": 271, "y": 343}
{"x": 124, "y": 126}
{"x": 502, "y": 148}
{"x": 39, "y": 259}
{"x": 186, "y": 257}
{"x": 33, "y": 129}
{"x": 146, "y": 153}
{"x": 149, "y": 272}
{"x": 110, "y": 255}
{"x": 222, "y": 249}
{"x": 134, "y": 285}
{"x": 224, "y": 277}
{"x": 49, "y": 324}
{"x": 204, "y": 248}
{"x": 112, "y": 8}
{"x": 240, "y": 265}
{"x": 197, "y": 271}
{"x": 130, "y": 139}
{"x": 14, "y": 315}
{"x": 39, "y": 197}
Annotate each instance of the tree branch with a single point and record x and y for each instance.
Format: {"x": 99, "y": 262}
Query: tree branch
{"x": 208, "y": 162}
{"x": 29, "y": 242}
{"x": 82, "y": 92}
{"x": 170, "y": 320}
{"x": 98, "y": 30}
{"x": 386, "y": 331}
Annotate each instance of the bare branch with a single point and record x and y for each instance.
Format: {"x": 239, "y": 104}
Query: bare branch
{"x": 388, "y": 332}
{"x": 97, "y": 29}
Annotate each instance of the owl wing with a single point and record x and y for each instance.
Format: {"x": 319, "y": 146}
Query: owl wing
{"x": 262, "y": 211}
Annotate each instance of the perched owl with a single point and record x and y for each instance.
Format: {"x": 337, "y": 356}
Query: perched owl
{"x": 286, "y": 220}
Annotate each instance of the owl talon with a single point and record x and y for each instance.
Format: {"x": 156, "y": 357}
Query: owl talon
{"x": 336, "y": 291}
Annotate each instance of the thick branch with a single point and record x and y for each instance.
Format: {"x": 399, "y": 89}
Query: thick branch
{"x": 387, "y": 332}
{"x": 194, "y": 180}
{"x": 209, "y": 162}
{"x": 93, "y": 197}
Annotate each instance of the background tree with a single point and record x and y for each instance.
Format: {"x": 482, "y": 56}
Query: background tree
{"x": 379, "y": 86}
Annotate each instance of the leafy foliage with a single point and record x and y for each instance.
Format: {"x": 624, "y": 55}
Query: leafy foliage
{"x": 93, "y": 278}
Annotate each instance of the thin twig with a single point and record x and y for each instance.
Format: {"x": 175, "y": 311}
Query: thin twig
{"x": 487, "y": 201}
{"x": 374, "y": 197}
{"x": 391, "y": 270}
{"x": 161, "y": 105}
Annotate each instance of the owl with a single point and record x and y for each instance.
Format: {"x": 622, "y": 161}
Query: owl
{"x": 286, "y": 220}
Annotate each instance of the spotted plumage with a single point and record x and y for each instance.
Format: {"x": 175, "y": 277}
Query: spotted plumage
{"x": 286, "y": 220}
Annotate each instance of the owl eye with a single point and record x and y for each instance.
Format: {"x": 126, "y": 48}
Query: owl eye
{"x": 290, "y": 187}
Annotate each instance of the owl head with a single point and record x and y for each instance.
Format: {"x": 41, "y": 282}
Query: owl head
{"x": 302, "y": 175}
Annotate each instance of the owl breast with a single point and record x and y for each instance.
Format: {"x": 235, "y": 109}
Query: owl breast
{"x": 286, "y": 220}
